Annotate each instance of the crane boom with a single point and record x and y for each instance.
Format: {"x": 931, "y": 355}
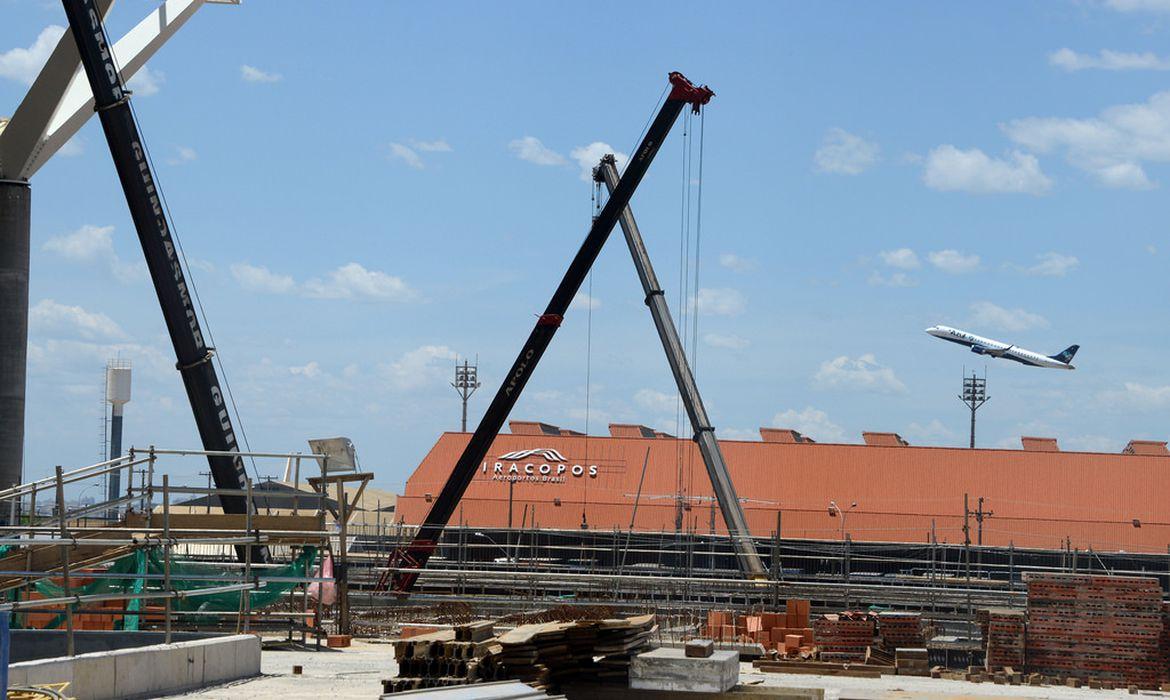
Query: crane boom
{"x": 729, "y": 504}
{"x": 112, "y": 103}
{"x": 405, "y": 564}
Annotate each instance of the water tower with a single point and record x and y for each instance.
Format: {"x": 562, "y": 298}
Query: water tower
{"x": 117, "y": 395}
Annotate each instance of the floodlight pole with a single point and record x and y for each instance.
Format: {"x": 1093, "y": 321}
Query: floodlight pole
{"x": 465, "y": 384}
{"x": 974, "y": 396}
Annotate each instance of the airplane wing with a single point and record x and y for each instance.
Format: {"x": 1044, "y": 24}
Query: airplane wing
{"x": 993, "y": 352}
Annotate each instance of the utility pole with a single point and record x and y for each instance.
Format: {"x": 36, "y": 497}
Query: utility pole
{"x": 967, "y": 536}
{"x": 974, "y": 396}
{"x": 979, "y": 516}
{"x": 466, "y": 382}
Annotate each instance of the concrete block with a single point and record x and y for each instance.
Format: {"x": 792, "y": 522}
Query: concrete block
{"x": 671, "y": 670}
{"x": 47, "y": 671}
{"x": 17, "y": 676}
{"x": 93, "y": 677}
{"x": 135, "y": 671}
{"x": 247, "y": 652}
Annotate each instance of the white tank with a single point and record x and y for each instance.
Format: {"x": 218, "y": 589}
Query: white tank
{"x": 117, "y": 385}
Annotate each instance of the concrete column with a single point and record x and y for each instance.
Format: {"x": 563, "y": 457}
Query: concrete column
{"x": 15, "y": 201}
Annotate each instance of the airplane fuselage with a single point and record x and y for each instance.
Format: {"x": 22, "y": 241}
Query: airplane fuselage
{"x": 994, "y": 348}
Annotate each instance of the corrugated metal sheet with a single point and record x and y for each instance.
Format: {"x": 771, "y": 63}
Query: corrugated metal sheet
{"x": 1039, "y": 497}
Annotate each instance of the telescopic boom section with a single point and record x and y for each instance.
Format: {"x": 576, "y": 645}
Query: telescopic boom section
{"x": 112, "y": 103}
{"x": 737, "y": 528}
{"x": 415, "y": 556}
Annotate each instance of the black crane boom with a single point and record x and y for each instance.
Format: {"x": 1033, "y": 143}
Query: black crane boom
{"x": 112, "y": 103}
{"x": 415, "y": 556}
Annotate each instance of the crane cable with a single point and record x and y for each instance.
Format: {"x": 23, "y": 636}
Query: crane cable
{"x": 191, "y": 282}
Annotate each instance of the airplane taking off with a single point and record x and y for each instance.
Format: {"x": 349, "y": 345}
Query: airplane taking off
{"x": 994, "y": 348}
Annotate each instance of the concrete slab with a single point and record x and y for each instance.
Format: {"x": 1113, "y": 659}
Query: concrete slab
{"x": 671, "y": 669}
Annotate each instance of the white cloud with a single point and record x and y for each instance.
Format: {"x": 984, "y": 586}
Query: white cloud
{"x": 584, "y": 302}
{"x": 146, "y": 82}
{"x": 183, "y": 154}
{"x": 436, "y": 146}
{"x": 72, "y": 321}
{"x": 720, "y": 302}
{"x": 252, "y": 74}
{"x": 1136, "y": 395}
{"x": 260, "y": 279}
{"x": 656, "y": 401}
{"x": 736, "y": 263}
{"x": 902, "y": 258}
{"x": 530, "y": 149}
{"x": 1139, "y": 5}
{"x": 862, "y": 374}
{"x": 353, "y": 281}
{"x": 844, "y": 153}
{"x": 985, "y": 313}
{"x": 406, "y": 154}
{"x": 588, "y": 157}
{"x": 1105, "y": 59}
{"x": 312, "y": 370}
{"x": 350, "y": 281}
{"x": 897, "y": 279}
{"x": 811, "y": 422}
{"x": 725, "y": 340}
{"x": 1050, "y": 265}
{"x": 418, "y": 368}
{"x": 95, "y": 244}
{"x": 23, "y": 65}
{"x": 953, "y": 261}
{"x": 950, "y": 169}
{"x": 1111, "y": 146}
{"x": 932, "y": 433}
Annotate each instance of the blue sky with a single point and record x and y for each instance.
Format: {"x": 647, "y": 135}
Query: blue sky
{"x": 366, "y": 191}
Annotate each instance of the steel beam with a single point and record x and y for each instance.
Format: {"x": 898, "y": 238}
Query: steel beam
{"x": 733, "y": 516}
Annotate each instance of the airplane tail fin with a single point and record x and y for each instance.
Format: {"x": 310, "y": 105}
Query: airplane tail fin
{"x": 1066, "y": 355}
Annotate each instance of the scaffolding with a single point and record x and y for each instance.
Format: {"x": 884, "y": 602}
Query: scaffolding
{"x": 72, "y": 559}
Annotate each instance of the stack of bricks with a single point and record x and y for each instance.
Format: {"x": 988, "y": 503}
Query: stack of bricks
{"x": 1164, "y": 646}
{"x": 1004, "y": 636}
{"x": 787, "y": 632}
{"x": 844, "y": 637}
{"x": 1099, "y": 628}
{"x": 900, "y": 630}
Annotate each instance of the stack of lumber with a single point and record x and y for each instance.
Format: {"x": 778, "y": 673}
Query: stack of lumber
{"x": 1004, "y": 634}
{"x": 912, "y": 662}
{"x": 447, "y": 657}
{"x": 844, "y": 637}
{"x": 618, "y": 641}
{"x": 1100, "y": 628}
{"x": 897, "y": 630}
{"x": 548, "y": 654}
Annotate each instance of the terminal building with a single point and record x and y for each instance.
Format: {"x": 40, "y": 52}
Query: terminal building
{"x": 884, "y": 490}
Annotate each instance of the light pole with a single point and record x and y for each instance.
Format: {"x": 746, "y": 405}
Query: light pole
{"x": 507, "y": 555}
{"x": 836, "y": 511}
{"x": 465, "y": 384}
{"x": 974, "y": 395}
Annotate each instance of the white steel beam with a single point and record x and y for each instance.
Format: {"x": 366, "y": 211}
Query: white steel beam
{"x": 60, "y": 102}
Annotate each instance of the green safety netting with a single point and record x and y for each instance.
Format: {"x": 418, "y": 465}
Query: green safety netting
{"x": 185, "y": 576}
